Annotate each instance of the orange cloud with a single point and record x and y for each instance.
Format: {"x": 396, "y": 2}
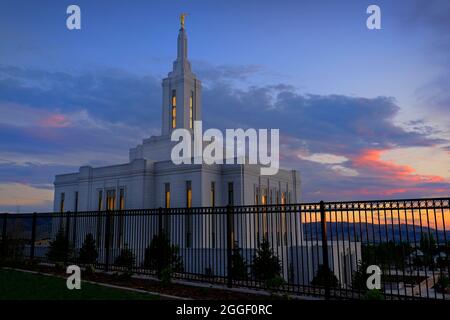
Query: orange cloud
{"x": 12, "y": 194}
{"x": 55, "y": 121}
{"x": 370, "y": 160}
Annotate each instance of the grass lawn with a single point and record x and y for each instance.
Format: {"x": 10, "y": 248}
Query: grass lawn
{"x": 16, "y": 285}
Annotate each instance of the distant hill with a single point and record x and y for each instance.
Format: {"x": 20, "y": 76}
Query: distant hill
{"x": 373, "y": 232}
{"x": 20, "y": 227}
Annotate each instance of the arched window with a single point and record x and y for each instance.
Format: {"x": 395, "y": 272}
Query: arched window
{"x": 174, "y": 109}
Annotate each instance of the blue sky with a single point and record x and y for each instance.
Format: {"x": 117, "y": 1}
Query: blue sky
{"x": 362, "y": 114}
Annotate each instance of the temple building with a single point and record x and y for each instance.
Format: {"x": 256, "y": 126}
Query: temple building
{"x": 151, "y": 180}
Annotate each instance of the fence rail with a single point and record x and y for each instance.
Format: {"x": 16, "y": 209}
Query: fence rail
{"x": 320, "y": 249}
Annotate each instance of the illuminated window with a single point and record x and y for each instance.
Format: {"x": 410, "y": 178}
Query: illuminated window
{"x": 111, "y": 200}
{"x": 174, "y": 109}
{"x": 264, "y": 213}
{"x": 188, "y": 215}
{"x": 166, "y": 221}
{"x": 191, "y": 110}
{"x": 110, "y": 206}
{"x": 122, "y": 199}
{"x": 213, "y": 194}
{"x": 188, "y": 194}
{"x": 167, "y": 195}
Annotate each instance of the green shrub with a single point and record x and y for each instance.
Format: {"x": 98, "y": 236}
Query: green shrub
{"x": 324, "y": 277}
{"x": 59, "y": 267}
{"x": 90, "y": 269}
{"x": 373, "y": 294}
{"x": 266, "y": 264}
{"x": 122, "y": 276}
{"x": 360, "y": 276}
{"x": 162, "y": 255}
{"x": 59, "y": 249}
{"x": 443, "y": 284}
{"x": 31, "y": 264}
{"x": 275, "y": 283}
{"x": 166, "y": 276}
{"x": 88, "y": 252}
{"x": 208, "y": 272}
{"x": 125, "y": 259}
{"x": 14, "y": 249}
{"x": 238, "y": 264}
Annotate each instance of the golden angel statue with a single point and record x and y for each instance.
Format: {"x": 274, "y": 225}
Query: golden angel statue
{"x": 182, "y": 16}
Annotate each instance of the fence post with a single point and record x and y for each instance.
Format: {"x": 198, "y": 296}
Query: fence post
{"x": 229, "y": 246}
{"x": 74, "y": 230}
{"x": 160, "y": 220}
{"x": 160, "y": 232}
{"x": 107, "y": 238}
{"x": 5, "y": 219}
{"x": 67, "y": 230}
{"x": 326, "y": 266}
{"x": 33, "y": 235}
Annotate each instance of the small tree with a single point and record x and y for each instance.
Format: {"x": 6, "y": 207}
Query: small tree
{"x": 59, "y": 249}
{"x": 238, "y": 264}
{"x": 324, "y": 277}
{"x": 443, "y": 284}
{"x": 88, "y": 251}
{"x": 266, "y": 264}
{"x": 427, "y": 244}
{"x": 14, "y": 249}
{"x": 161, "y": 255}
{"x": 442, "y": 262}
{"x": 360, "y": 276}
{"x": 125, "y": 259}
{"x": 14, "y": 244}
{"x": 428, "y": 247}
{"x": 373, "y": 294}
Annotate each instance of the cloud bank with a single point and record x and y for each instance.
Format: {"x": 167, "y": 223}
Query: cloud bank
{"x": 54, "y": 122}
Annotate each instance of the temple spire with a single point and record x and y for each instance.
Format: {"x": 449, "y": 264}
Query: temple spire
{"x": 182, "y": 40}
{"x": 181, "y": 90}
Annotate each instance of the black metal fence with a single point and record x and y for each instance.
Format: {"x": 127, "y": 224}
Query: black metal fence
{"x": 320, "y": 249}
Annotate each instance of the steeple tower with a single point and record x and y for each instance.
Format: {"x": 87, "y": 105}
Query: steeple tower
{"x": 181, "y": 90}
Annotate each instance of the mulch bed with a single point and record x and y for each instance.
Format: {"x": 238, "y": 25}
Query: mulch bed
{"x": 180, "y": 290}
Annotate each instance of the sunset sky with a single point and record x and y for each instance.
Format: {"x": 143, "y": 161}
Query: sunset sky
{"x": 363, "y": 114}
